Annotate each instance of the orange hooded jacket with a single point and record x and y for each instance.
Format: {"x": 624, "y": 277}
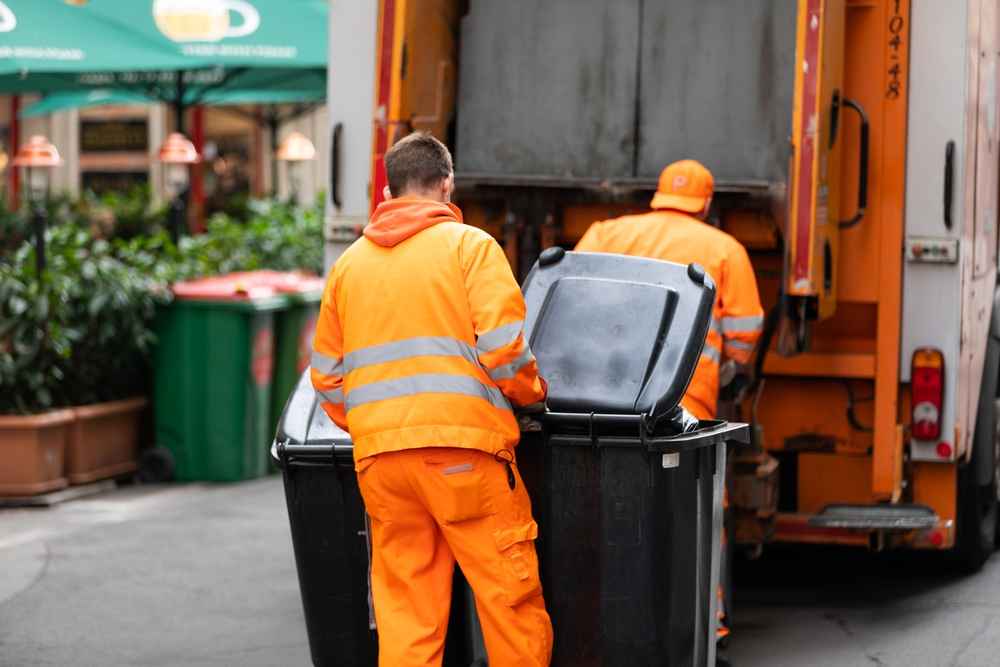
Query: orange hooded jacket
{"x": 420, "y": 338}
{"x": 737, "y": 316}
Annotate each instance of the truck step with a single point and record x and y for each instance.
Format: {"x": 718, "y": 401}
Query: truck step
{"x": 876, "y": 517}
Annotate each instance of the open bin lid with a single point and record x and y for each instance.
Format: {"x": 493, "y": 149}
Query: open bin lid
{"x": 615, "y": 334}
{"x": 305, "y": 430}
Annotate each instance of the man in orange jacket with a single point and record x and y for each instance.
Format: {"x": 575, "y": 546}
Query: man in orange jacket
{"x": 419, "y": 354}
{"x": 675, "y": 231}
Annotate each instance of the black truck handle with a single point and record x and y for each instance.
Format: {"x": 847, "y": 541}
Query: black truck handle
{"x": 338, "y": 129}
{"x": 949, "y": 182}
{"x": 862, "y": 165}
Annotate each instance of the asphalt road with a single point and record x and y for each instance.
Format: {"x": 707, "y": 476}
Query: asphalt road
{"x": 835, "y": 607}
{"x": 203, "y": 575}
{"x": 153, "y": 577}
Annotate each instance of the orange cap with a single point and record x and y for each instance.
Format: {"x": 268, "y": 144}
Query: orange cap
{"x": 685, "y": 186}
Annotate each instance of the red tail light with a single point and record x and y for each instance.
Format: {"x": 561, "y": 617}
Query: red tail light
{"x": 927, "y": 391}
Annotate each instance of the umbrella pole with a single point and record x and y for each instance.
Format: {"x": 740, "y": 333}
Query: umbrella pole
{"x": 178, "y": 207}
{"x": 272, "y": 126}
{"x": 179, "y": 103}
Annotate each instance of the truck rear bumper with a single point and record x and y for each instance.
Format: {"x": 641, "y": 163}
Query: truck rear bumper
{"x": 872, "y": 530}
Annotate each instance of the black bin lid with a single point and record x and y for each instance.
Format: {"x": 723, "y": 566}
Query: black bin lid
{"x": 305, "y": 424}
{"x": 615, "y": 334}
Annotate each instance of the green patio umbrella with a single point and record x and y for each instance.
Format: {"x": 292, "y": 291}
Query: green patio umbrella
{"x": 80, "y": 99}
{"x": 173, "y": 51}
{"x": 282, "y": 106}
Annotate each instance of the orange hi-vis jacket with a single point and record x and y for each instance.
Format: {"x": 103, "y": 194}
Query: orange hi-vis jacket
{"x": 420, "y": 339}
{"x": 737, "y": 317}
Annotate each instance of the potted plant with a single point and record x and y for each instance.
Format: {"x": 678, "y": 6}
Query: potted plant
{"x": 107, "y": 368}
{"x": 33, "y": 432}
{"x": 78, "y": 339}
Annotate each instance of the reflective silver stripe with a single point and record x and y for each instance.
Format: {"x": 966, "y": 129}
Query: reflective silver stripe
{"x": 715, "y": 326}
{"x": 430, "y": 383}
{"x": 497, "y": 338}
{"x": 326, "y": 365}
{"x": 740, "y": 345}
{"x": 749, "y": 324}
{"x": 711, "y": 353}
{"x": 333, "y": 396}
{"x": 423, "y": 346}
{"x": 508, "y": 371}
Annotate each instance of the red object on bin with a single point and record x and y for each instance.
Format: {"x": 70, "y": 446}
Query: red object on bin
{"x": 285, "y": 282}
{"x": 247, "y": 285}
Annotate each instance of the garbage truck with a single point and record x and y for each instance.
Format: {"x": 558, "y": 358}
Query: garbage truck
{"x": 854, "y": 145}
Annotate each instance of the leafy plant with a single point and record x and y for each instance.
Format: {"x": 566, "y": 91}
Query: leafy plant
{"x": 83, "y": 332}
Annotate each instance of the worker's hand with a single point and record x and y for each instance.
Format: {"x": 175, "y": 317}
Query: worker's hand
{"x": 733, "y": 381}
{"x": 526, "y": 420}
{"x": 533, "y": 409}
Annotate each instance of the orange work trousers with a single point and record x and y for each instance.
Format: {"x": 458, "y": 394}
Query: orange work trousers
{"x": 430, "y": 507}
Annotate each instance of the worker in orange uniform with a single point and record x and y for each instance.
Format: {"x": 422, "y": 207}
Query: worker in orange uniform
{"x": 676, "y": 231}
{"x": 419, "y": 354}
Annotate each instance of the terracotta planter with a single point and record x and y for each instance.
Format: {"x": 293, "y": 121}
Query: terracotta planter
{"x": 33, "y": 449}
{"x": 103, "y": 440}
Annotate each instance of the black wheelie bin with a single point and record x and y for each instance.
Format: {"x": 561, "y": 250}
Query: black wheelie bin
{"x": 627, "y": 488}
{"x": 329, "y": 529}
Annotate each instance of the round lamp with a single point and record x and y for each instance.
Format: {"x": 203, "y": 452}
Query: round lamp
{"x": 37, "y": 156}
{"x": 296, "y": 147}
{"x": 177, "y": 154}
{"x": 178, "y": 149}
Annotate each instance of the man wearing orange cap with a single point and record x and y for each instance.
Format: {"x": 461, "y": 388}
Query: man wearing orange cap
{"x": 676, "y": 231}
{"x": 420, "y": 354}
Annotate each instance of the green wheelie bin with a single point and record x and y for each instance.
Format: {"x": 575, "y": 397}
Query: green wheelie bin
{"x": 294, "y": 328}
{"x": 214, "y": 366}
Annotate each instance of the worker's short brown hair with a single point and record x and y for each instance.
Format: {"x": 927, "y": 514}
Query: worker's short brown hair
{"x": 418, "y": 161}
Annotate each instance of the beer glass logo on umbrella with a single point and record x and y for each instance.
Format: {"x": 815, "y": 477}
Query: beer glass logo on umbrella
{"x": 203, "y": 20}
{"x": 7, "y": 19}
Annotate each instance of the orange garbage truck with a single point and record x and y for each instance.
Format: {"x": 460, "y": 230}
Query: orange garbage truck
{"x": 854, "y": 146}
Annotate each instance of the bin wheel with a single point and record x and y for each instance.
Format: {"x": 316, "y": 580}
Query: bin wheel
{"x": 156, "y": 465}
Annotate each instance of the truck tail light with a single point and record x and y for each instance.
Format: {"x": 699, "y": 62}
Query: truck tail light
{"x": 927, "y": 390}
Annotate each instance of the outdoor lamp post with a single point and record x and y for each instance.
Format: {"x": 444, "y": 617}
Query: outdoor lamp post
{"x": 37, "y": 157}
{"x": 294, "y": 150}
{"x": 177, "y": 155}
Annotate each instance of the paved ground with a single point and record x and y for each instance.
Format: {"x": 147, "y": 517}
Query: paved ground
{"x": 193, "y": 576}
{"x": 203, "y": 575}
{"x": 845, "y": 608}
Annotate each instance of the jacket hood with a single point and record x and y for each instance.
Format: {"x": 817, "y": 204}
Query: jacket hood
{"x": 396, "y": 220}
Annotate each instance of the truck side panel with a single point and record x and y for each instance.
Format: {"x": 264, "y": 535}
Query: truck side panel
{"x": 932, "y": 289}
{"x": 979, "y": 234}
{"x": 351, "y": 99}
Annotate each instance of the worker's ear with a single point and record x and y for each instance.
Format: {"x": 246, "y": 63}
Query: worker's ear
{"x": 386, "y": 193}
{"x": 447, "y": 188}
{"x": 708, "y": 207}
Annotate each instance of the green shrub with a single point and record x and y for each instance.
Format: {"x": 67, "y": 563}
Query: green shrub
{"x": 84, "y": 333}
